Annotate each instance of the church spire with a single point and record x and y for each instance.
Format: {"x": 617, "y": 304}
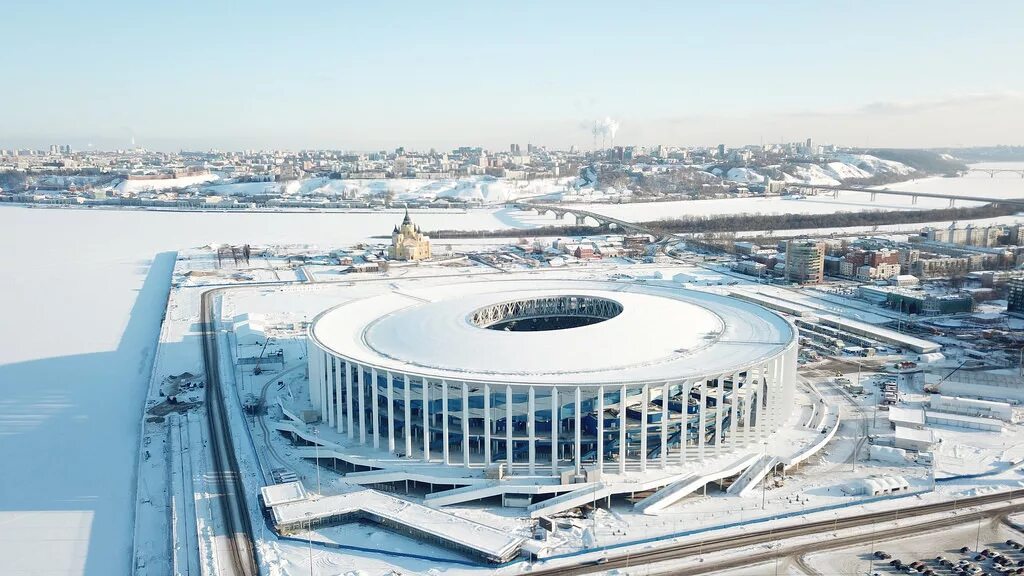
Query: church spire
{"x": 407, "y": 219}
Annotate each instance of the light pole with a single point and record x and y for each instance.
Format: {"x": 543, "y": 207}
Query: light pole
{"x": 316, "y": 432}
{"x": 977, "y": 541}
{"x": 764, "y": 481}
{"x": 309, "y": 539}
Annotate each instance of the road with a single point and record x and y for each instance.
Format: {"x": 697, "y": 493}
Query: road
{"x": 236, "y": 536}
{"x": 771, "y": 536}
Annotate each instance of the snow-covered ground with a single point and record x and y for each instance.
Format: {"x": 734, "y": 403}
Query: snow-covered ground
{"x": 129, "y": 187}
{"x": 81, "y": 307}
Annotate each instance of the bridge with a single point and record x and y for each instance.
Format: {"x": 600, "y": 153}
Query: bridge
{"x": 913, "y": 194}
{"x": 993, "y": 171}
{"x": 582, "y": 215}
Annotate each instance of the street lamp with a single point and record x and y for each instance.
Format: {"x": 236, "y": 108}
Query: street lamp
{"x": 309, "y": 539}
{"x": 316, "y": 432}
{"x": 764, "y": 481}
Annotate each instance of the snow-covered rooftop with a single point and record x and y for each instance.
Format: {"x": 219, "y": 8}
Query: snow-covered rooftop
{"x": 277, "y": 494}
{"x": 662, "y": 333}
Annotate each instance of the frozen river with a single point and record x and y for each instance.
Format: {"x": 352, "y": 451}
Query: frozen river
{"x": 979, "y": 184}
{"x": 81, "y": 305}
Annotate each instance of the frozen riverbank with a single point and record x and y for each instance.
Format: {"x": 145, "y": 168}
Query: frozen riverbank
{"x": 81, "y": 308}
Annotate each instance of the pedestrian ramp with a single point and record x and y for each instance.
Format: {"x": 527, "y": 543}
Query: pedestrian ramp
{"x": 753, "y": 475}
{"x": 464, "y": 494}
{"x": 689, "y": 484}
{"x": 569, "y": 500}
{"x": 491, "y": 488}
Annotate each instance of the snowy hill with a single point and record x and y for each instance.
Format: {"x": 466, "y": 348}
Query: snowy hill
{"x": 129, "y": 187}
{"x": 842, "y": 168}
{"x": 875, "y": 165}
{"x": 743, "y": 175}
{"x": 476, "y": 189}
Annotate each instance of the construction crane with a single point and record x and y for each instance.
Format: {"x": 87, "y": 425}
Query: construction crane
{"x": 256, "y": 371}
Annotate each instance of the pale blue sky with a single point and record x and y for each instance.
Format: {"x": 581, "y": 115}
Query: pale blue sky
{"x": 381, "y": 74}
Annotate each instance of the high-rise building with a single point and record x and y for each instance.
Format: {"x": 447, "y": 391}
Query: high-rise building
{"x": 721, "y": 150}
{"x": 805, "y": 261}
{"x": 1015, "y": 296}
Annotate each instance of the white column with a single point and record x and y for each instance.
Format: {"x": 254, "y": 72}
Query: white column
{"x": 360, "y": 376}
{"x": 645, "y": 399}
{"x": 407, "y": 425}
{"x": 391, "y": 413}
{"x": 465, "y": 425}
{"x": 329, "y": 388}
{"x": 577, "y": 445}
{"x": 348, "y": 399}
{"x": 780, "y": 370}
{"x": 622, "y": 430}
{"x": 375, "y": 407}
{"x": 425, "y": 391}
{"x": 323, "y": 387}
{"x": 339, "y": 410}
{"x": 508, "y": 428}
{"x": 753, "y": 395}
{"x": 734, "y": 414}
{"x": 487, "y": 424}
{"x": 531, "y": 428}
{"x": 719, "y": 408}
{"x": 600, "y": 428}
{"x": 762, "y": 410}
{"x": 684, "y": 425}
{"x": 789, "y": 380}
{"x": 444, "y": 425}
{"x": 701, "y": 421}
{"x": 664, "y": 425}
{"x": 555, "y": 422}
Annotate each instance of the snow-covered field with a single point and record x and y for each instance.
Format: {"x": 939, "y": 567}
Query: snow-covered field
{"x": 81, "y": 310}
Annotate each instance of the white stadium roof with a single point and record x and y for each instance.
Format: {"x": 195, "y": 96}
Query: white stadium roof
{"x": 662, "y": 333}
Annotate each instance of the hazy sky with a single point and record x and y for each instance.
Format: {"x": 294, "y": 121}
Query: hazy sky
{"x": 434, "y": 73}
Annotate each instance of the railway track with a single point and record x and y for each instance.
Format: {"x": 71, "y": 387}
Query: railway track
{"x": 224, "y": 465}
{"x": 625, "y": 559}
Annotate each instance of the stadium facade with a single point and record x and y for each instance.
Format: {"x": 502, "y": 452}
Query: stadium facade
{"x": 548, "y": 377}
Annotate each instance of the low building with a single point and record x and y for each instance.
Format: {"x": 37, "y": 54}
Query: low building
{"x": 906, "y": 417}
{"x": 877, "y": 486}
{"x": 963, "y": 421}
{"x": 908, "y": 438}
{"x": 941, "y": 267}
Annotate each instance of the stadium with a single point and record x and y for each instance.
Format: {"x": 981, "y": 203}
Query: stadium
{"x": 549, "y": 378}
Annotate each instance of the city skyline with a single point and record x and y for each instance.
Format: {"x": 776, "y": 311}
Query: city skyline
{"x": 362, "y": 77}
